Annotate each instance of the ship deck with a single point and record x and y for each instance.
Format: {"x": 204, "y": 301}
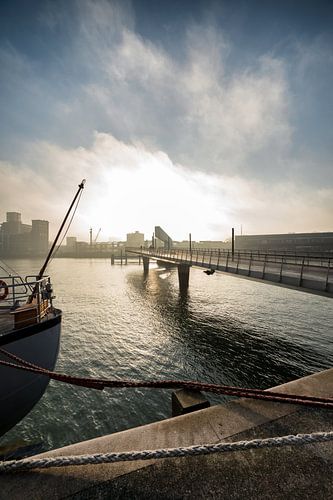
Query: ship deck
{"x": 9, "y": 324}
{"x": 6, "y": 321}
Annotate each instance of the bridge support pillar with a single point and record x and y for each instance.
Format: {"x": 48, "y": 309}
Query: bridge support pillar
{"x": 145, "y": 261}
{"x": 183, "y": 276}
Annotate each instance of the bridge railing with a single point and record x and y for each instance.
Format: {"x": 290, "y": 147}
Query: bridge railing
{"x": 258, "y": 255}
{"x": 312, "y": 272}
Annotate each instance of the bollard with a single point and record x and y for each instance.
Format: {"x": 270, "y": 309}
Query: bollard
{"x": 186, "y": 401}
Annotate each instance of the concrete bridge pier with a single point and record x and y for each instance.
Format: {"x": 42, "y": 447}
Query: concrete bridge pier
{"x": 183, "y": 276}
{"x": 145, "y": 261}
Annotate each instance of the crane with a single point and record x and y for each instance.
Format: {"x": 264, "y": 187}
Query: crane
{"x": 97, "y": 235}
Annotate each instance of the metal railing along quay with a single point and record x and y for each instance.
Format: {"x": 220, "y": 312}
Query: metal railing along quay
{"x": 312, "y": 273}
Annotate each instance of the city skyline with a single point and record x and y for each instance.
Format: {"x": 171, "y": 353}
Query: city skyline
{"x": 198, "y": 116}
{"x": 14, "y": 225}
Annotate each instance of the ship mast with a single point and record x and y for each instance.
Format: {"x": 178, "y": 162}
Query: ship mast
{"x": 42, "y": 269}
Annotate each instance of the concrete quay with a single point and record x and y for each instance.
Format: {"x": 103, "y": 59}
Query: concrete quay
{"x": 295, "y": 472}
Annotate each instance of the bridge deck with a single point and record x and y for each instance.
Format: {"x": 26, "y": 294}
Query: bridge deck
{"x": 309, "y": 274}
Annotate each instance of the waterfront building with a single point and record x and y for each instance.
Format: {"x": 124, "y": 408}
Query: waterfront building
{"x": 295, "y": 242}
{"x": 135, "y": 240}
{"x": 39, "y": 237}
{"x": 201, "y": 245}
{"x": 71, "y": 242}
{"x": 23, "y": 240}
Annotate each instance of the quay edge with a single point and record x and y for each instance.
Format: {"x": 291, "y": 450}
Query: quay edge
{"x": 290, "y": 472}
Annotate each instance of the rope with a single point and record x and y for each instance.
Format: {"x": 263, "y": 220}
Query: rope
{"x": 101, "y": 384}
{"x": 189, "y": 451}
{"x": 9, "y": 267}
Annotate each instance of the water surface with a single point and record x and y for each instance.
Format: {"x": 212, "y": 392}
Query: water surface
{"x": 119, "y": 323}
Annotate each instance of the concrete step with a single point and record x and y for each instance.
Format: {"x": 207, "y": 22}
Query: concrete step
{"x": 290, "y": 472}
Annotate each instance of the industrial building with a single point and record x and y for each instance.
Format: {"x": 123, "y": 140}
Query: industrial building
{"x": 23, "y": 240}
{"x": 294, "y": 242}
{"x": 135, "y": 240}
{"x": 202, "y": 245}
{"x": 83, "y": 249}
{"x": 291, "y": 242}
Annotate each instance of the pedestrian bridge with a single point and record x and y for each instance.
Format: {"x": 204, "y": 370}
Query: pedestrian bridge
{"x": 307, "y": 273}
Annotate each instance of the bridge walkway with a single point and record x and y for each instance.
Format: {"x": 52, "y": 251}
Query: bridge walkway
{"x": 312, "y": 274}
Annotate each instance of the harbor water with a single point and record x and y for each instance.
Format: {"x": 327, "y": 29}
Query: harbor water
{"x": 119, "y": 323}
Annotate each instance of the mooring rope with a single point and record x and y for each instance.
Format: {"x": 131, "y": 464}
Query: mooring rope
{"x": 188, "y": 451}
{"x": 291, "y": 440}
{"x": 101, "y": 384}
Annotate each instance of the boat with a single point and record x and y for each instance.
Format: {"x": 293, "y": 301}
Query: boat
{"x": 30, "y": 328}
{"x": 30, "y": 331}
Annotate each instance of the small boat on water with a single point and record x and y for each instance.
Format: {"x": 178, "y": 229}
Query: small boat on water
{"x": 29, "y": 329}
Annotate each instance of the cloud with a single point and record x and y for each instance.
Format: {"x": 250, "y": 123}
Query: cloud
{"x": 187, "y": 135}
{"x": 198, "y": 110}
{"x": 130, "y": 187}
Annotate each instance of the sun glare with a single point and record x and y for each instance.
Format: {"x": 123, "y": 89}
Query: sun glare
{"x": 155, "y": 192}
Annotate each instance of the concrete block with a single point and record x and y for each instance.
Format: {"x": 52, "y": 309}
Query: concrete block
{"x": 186, "y": 401}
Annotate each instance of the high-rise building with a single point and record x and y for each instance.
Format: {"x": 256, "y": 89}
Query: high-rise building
{"x": 22, "y": 240}
{"x": 13, "y": 223}
{"x": 39, "y": 237}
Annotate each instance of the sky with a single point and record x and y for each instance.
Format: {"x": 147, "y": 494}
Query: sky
{"x": 196, "y": 116}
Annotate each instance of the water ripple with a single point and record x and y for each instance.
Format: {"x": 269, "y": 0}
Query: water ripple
{"x": 119, "y": 323}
